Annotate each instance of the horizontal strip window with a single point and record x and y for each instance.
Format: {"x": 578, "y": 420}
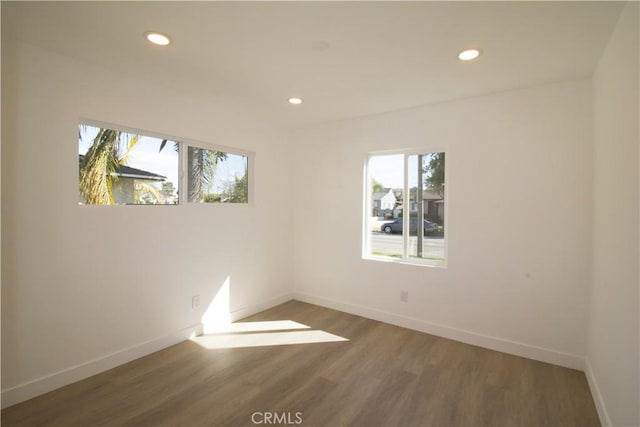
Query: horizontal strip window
{"x": 124, "y": 167}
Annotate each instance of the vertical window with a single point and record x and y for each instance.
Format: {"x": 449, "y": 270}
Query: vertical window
{"x": 121, "y": 168}
{"x": 405, "y": 210}
{"x": 217, "y": 176}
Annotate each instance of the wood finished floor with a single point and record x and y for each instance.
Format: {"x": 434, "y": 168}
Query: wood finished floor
{"x": 382, "y": 376}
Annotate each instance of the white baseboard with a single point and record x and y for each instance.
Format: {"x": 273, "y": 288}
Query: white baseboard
{"x": 257, "y": 308}
{"x": 603, "y": 414}
{"x": 45, "y": 384}
{"x": 59, "y": 379}
{"x": 493, "y": 343}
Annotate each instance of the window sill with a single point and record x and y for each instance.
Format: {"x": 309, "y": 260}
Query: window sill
{"x": 404, "y": 261}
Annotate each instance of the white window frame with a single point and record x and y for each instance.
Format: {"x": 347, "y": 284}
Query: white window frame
{"x": 367, "y": 203}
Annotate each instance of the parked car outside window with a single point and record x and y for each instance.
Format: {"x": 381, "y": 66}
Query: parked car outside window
{"x": 396, "y": 226}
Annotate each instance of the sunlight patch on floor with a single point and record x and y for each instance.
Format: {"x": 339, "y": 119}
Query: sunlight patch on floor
{"x": 268, "y": 325}
{"x": 220, "y": 332}
{"x": 261, "y": 339}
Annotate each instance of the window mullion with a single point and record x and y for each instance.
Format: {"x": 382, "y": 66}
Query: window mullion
{"x": 367, "y": 209}
{"x": 405, "y": 208}
{"x": 181, "y": 169}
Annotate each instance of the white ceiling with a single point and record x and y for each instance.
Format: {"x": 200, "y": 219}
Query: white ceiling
{"x": 382, "y": 56}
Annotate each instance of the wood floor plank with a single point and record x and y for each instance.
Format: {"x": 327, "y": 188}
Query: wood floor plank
{"x": 380, "y": 375}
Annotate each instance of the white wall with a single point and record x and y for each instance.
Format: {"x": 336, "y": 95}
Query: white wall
{"x": 82, "y": 282}
{"x": 519, "y": 220}
{"x": 613, "y": 330}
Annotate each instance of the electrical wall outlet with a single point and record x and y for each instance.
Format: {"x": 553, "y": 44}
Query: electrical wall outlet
{"x": 195, "y": 301}
{"x": 404, "y": 296}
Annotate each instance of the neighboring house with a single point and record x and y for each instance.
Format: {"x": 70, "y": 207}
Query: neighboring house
{"x": 129, "y": 180}
{"x": 389, "y": 201}
{"x": 433, "y": 205}
{"x": 384, "y": 202}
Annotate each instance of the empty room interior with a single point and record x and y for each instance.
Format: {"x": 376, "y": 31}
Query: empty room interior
{"x": 204, "y": 213}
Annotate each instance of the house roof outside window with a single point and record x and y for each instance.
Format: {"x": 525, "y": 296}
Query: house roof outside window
{"x": 129, "y": 172}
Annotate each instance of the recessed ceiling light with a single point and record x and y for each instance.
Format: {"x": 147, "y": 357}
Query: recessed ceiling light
{"x": 469, "y": 54}
{"x": 295, "y": 101}
{"x": 157, "y": 38}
